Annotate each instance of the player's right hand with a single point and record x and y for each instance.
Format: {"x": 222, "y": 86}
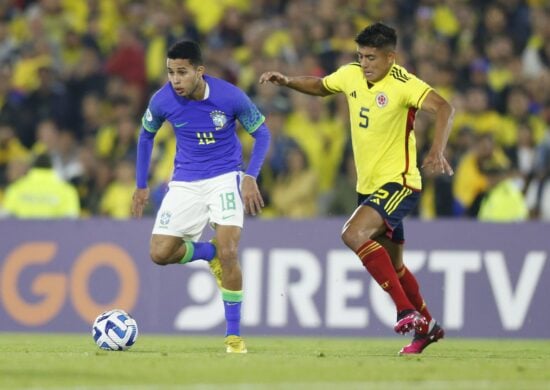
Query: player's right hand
{"x": 276, "y": 78}
{"x": 139, "y": 200}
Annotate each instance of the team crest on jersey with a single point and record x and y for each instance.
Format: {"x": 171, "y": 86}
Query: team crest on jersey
{"x": 219, "y": 119}
{"x": 381, "y": 100}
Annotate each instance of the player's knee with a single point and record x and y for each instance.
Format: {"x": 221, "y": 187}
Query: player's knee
{"x": 354, "y": 236}
{"x": 228, "y": 254}
{"x": 349, "y": 236}
{"x": 159, "y": 256}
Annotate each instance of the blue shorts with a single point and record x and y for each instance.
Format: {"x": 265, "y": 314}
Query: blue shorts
{"x": 393, "y": 202}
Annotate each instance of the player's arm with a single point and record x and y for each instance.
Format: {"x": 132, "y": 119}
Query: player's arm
{"x": 306, "y": 84}
{"x": 253, "y": 122}
{"x": 144, "y": 152}
{"x": 252, "y": 197}
{"x": 435, "y": 160}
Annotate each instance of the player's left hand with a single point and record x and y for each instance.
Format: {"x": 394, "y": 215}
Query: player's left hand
{"x": 139, "y": 200}
{"x": 252, "y": 198}
{"x": 435, "y": 163}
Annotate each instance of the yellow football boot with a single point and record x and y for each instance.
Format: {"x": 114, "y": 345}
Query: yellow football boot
{"x": 235, "y": 344}
{"x": 216, "y": 266}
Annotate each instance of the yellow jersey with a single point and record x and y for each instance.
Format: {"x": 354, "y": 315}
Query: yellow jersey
{"x": 41, "y": 194}
{"x": 382, "y": 118}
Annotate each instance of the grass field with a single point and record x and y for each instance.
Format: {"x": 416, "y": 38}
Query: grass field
{"x": 33, "y": 361}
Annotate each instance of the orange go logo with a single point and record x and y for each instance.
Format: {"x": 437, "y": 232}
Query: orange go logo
{"x": 54, "y": 287}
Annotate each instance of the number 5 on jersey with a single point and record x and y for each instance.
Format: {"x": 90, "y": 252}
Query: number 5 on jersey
{"x": 364, "y": 121}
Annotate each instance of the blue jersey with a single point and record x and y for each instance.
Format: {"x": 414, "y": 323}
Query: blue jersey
{"x": 206, "y": 139}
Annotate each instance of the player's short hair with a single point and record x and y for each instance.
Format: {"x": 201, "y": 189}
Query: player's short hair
{"x": 186, "y": 50}
{"x": 377, "y": 35}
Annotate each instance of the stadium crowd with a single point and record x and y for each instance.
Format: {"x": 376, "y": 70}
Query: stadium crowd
{"x": 75, "y": 76}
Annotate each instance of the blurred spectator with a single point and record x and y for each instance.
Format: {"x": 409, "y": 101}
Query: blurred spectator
{"x": 464, "y": 141}
{"x": 84, "y": 81}
{"x": 503, "y": 67}
{"x": 120, "y": 142}
{"x": 522, "y": 156}
{"x": 271, "y": 99}
{"x": 536, "y": 55}
{"x": 477, "y": 74}
{"x": 116, "y": 201}
{"x": 10, "y": 150}
{"x": 280, "y": 143}
{"x": 87, "y": 183}
{"x": 321, "y": 136}
{"x": 275, "y": 161}
{"x": 159, "y": 38}
{"x": 478, "y": 115}
{"x": 503, "y": 201}
{"x": 343, "y": 199}
{"x": 470, "y": 181}
{"x": 493, "y": 24}
{"x": 10, "y": 99}
{"x": 518, "y": 113}
{"x": 541, "y": 206}
{"x": 208, "y": 13}
{"x": 8, "y": 44}
{"x": 296, "y": 190}
{"x": 518, "y": 25}
{"x": 228, "y": 33}
{"x": 47, "y": 137}
{"x": 16, "y": 169}
{"x": 48, "y": 102}
{"x": 65, "y": 156}
{"x": 92, "y": 117}
{"x": 127, "y": 61}
{"x": 41, "y": 194}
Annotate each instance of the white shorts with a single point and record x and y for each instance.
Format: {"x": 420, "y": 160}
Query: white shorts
{"x": 188, "y": 206}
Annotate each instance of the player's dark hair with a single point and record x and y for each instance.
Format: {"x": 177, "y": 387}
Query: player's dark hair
{"x": 186, "y": 50}
{"x": 377, "y": 35}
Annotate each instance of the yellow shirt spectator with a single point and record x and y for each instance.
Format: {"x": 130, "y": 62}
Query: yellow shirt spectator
{"x": 321, "y": 137}
{"x": 504, "y": 203}
{"x": 295, "y": 192}
{"x": 470, "y": 181}
{"x": 41, "y": 194}
{"x": 478, "y": 116}
{"x": 117, "y": 199}
{"x": 483, "y": 122}
{"x": 10, "y": 146}
{"x": 208, "y": 13}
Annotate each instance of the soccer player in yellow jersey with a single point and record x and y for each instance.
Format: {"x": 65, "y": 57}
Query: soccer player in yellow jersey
{"x": 383, "y": 99}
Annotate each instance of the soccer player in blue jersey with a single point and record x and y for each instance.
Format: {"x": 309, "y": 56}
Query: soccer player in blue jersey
{"x": 208, "y": 183}
{"x": 383, "y": 99}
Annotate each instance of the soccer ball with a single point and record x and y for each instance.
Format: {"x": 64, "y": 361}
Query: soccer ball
{"x": 115, "y": 330}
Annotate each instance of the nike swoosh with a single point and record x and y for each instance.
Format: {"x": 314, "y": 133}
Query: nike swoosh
{"x": 228, "y": 216}
{"x": 181, "y": 124}
{"x": 232, "y": 303}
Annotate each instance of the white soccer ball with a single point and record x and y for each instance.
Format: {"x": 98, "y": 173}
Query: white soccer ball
{"x": 115, "y": 330}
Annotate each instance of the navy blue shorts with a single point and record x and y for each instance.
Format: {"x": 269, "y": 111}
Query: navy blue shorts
{"x": 393, "y": 202}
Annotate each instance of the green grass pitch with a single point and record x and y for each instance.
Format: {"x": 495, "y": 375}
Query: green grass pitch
{"x": 72, "y": 361}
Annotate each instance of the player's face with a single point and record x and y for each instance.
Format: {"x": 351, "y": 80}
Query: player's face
{"x": 184, "y": 77}
{"x": 376, "y": 63}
